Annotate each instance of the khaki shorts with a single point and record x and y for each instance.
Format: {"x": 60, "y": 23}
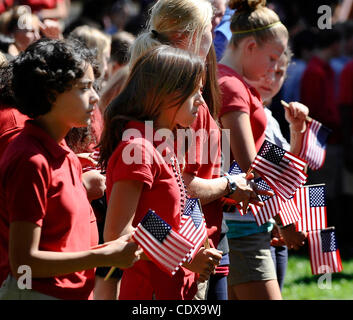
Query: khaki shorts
{"x": 10, "y": 291}
{"x": 250, "y": 259}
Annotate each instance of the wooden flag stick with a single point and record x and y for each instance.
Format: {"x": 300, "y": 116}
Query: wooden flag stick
{"x": 286, "y": 105}
{"x": 112, "y": 269}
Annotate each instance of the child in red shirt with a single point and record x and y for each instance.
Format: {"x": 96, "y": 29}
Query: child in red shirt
{"x": 47, "y": 223}
{"x": 143, "y": 173}
{"x": 258, "y": 41}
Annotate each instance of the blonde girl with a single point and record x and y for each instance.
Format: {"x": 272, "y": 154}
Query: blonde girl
{"x": 259, "y": 39}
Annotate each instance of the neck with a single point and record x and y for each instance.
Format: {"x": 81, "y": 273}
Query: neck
{"x": 52, "y": 127}
{"x": 231, "y": 58}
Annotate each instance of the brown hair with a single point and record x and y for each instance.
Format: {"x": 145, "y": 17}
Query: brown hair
{"x": 253, "y": 18}
{"x": 163, "y": 77}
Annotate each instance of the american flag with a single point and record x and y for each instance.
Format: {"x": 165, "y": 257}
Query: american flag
{"x": 271, "y": 204}
{"x": 234, "y": 169}
{"x": 192, "y": 225}
{"x": 94, "y": 156}
{"x": 274, "y": 205}
{"x": 289, "y": 212}
{"x": 164, "y": 246}
{"x": 324, "y": 253}
{"x": 282, "y": 170}
{"x": 311, "y": 202}
{"x": 314, "y": 144}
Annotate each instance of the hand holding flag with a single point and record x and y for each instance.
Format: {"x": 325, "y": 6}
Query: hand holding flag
{"x": 313, "y": 148}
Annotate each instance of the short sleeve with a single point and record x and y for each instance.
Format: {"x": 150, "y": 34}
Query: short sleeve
{"x": 26, "y": 186}
{"x": 234, "y": 96}
{"x": 134, "y": 160}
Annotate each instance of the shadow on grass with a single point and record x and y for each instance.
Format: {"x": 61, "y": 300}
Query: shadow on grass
{"x": 313, "y": 279}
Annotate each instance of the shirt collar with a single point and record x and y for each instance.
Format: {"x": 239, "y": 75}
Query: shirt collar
{"x": 55, "y": 149}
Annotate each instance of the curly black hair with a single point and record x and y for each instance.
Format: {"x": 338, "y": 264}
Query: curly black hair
{"x": 45, "y": 69}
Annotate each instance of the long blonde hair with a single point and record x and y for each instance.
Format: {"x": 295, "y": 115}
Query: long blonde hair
{"x": 172, "y": 22}
{"x": 253, "y": 18}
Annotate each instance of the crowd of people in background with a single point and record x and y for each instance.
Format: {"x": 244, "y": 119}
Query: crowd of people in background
{"x": 76, "y": 74}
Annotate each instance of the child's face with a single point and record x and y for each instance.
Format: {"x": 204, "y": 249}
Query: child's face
{"x": 187, "y": 113}
{"x": 73, "y": 108}
{"x": 262, "y": 60}
{"x": 268, "y": 86}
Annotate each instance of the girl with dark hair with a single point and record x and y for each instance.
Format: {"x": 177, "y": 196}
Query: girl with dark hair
{"x": 168, "y": 98}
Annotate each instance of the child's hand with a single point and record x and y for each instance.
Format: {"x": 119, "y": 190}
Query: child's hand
{"x": 94, "y": 183}
{"x": 122, "y": 252}
{"x": 205, "y": 262}
{"x": 296, "y": 114}
{"x": 292, "y": 238}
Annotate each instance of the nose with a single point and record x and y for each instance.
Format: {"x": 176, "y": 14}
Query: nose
{"x": 270, "y": 78}
{"x": 199, "y": 101}
{"x": 94, "y": 98}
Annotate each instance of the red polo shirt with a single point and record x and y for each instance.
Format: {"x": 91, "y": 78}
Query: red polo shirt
{"x": 203, "y": 160}
{"x": 40, "y": 183}
{"x": 11, "y": 123}
{"x": 318, "y": 94}
{"x": 138, "y": 159}
{"x": 237, "y": 95}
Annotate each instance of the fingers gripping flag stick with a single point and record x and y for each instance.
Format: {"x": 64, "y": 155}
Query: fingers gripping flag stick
{"x": 311, "y": 202}
{"x": 324, "y": 253}
{"x": 282, "y": 170}
{"x": 193, "y": 226}
{"x": 164, "y": 246}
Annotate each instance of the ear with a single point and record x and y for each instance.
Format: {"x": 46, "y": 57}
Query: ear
{"x": 250, "y": 45}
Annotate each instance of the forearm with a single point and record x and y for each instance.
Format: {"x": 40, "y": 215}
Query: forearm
{"x": 207, "y": 190}
{"x": 46, "y": 264}
{"x": 296, "y": 141}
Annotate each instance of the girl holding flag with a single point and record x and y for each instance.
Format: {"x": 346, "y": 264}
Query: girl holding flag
{"x": 259, "y": 39}
{"x": 186, "y": 24}
{"x": 296, "y": 114}
{"x": 144, "y": 174}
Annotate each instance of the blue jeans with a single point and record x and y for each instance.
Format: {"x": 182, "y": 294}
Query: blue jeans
{"x": 280, "y": 259}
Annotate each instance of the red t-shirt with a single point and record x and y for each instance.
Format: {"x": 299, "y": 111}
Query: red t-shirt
{"x": 5, "y": 5}
{"x": 138, "y": 159}
{"x": 237, "y": 95}
{"x": 203, "y": 160}
{"x": 37, "y": 5}
{"x": 317, "y": 92}
{"x": 40, "y": 183}
{"x": 11, "y": 123}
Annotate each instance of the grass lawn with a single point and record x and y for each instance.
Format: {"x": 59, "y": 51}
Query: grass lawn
{"x": 300, "y": 284}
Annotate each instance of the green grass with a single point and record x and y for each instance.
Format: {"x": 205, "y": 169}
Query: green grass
{"x": 300, "y": 284}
